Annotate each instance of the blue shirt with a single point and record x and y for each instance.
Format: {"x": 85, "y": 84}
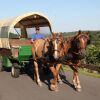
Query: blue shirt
{"x": 37, "y": 36}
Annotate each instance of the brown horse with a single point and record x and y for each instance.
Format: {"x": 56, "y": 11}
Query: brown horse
{"x": 74, "y": 52}
{"x": 48, "y": 51}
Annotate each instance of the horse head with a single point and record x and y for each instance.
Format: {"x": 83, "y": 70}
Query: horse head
{"x": 57, "y": 45}
{"x": 80, "y": 42}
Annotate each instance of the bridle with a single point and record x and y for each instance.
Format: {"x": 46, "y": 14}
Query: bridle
{"x": 50, "y": 42}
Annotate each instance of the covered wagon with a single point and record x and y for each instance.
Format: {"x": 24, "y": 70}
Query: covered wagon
{"x": 15, "y": 35}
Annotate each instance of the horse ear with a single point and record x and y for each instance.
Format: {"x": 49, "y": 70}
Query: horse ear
{"x": 79, "y": 32}
{"x": 88, "y": 33}
{"x": 53, "y": 35}
{"x": 60, "y": 35}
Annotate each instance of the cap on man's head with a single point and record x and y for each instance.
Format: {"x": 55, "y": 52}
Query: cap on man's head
{"x": 37, "y": 28}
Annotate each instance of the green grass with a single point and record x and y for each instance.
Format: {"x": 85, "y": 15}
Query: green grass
{"x": 84, "y": 72}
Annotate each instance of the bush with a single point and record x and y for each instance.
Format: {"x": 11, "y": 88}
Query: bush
{"x": 93, "y": 55}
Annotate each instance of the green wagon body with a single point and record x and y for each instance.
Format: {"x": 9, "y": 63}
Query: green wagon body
{"x": 25, "y": 54}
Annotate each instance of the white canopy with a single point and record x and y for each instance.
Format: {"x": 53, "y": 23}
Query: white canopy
{"x": 27, "y": 20}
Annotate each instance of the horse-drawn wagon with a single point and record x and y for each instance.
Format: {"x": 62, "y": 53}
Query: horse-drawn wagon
{"x": 15, "y": 35}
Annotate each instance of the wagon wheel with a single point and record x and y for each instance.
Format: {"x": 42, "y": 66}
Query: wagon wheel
{"x": 15, "y": 71}
{"x": 1, "y": 65}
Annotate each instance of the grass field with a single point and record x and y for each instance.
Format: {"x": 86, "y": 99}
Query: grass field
{"x": 84, "y": 72}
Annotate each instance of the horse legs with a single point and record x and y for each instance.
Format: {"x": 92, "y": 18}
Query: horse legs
{"x": 76, "y": 81}
{"x": 57, "y": 69}
{"x": 54, "y": 86}
{"x": 37, "y": 74}
{"x": 59, "y": 80}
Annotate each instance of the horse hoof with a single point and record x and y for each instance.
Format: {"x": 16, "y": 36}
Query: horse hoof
{"x": 75, "y": 86}
{"x": 54, "y": 88}
{"x": 60, "y": 82}
{"x": 78, "y": 89}
{"x": 40, "y": 84}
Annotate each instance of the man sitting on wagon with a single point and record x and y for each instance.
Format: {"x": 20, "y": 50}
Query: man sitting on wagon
{"x": 37, "y": 35}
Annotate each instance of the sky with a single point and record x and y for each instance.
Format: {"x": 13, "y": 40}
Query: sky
{"x": 65, "y": 15}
